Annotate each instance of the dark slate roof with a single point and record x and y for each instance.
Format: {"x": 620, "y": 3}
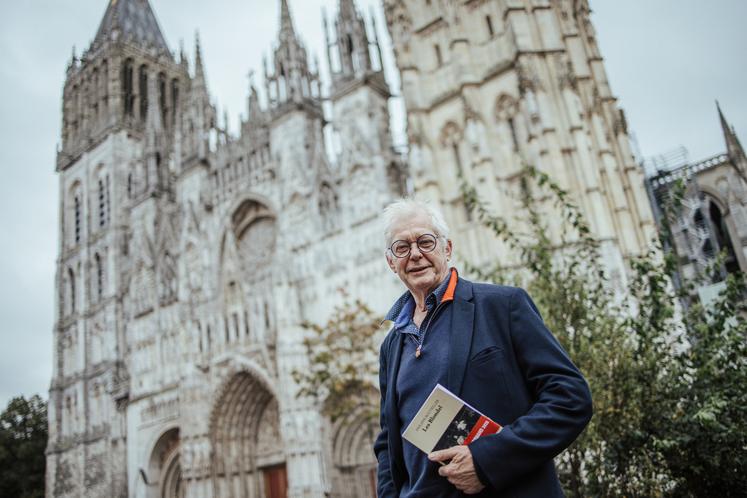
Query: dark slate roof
{"x": 136, "y": 23}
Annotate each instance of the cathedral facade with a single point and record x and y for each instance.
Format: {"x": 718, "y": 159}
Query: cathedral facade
{"x": 189, "y": 258}
{"x": 703, "y": 208}
{"x": 491, "y": 86}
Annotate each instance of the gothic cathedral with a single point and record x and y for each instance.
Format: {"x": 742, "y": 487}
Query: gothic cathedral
{"x": 189, "y": 258}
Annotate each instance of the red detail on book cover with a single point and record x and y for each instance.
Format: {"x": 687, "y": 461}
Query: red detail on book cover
{"x": 483, "y": 427}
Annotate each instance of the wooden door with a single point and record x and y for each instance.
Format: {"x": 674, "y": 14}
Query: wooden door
{"x": 276, "y": 481}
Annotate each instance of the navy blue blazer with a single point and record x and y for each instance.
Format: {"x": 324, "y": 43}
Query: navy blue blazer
{"x": 506, "y": 363}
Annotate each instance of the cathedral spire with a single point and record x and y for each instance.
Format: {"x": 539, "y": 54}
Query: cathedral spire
{"x": 292, "y": 79}
{"x": 183, "y": 61}
{"x": 199, "y": 70}
{"x": 253, "y": 108}
{"x": 733, "y": 146}
{"x": 132, "y": 21}
{"x": 286, "y": 22}
{"x": 351, "y": 43}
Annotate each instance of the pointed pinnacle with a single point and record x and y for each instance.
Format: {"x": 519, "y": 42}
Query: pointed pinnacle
{"x": 347, "y": 9}
{"x": 199, "y": 71}
{"x": 286, "y": 22}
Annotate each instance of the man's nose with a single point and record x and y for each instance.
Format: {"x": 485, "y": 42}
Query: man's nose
{"x": 415, "y": 251}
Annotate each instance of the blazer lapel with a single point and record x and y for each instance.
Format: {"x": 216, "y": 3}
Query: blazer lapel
{"x": 390, "y": 404}
{"x": 460, "y": 335}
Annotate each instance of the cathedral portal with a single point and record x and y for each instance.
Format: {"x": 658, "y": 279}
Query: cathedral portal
{"x": 247, "y": 458}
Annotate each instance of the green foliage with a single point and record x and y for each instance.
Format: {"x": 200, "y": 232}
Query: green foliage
{"x": 23, "y": 439}
{"x": 711, "y": 434}
{"x": 343, "y": 363}
{"x": 669, "y": 383}
{"x": 669, "y": 395}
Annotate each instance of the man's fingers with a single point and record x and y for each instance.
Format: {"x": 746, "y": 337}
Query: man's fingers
{"x": 441, "y": 455}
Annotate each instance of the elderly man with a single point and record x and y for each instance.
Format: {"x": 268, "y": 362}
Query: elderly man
{"x": 489, "y": 346}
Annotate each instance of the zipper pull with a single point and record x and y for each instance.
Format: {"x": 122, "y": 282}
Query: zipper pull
{"x": 417, "y": 351}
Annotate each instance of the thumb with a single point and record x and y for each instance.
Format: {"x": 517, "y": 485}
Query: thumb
{"x": 442, "y": 455}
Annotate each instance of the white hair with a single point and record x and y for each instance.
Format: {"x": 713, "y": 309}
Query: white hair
{"x": 407, "y": 208}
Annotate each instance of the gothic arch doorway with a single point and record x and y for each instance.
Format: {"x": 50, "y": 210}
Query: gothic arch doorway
{"x": 164, "y": 468}
{"x": 723, "y": 237}
{"x": 354, "y": 472}
{"x": 247, "y": 458}
{"x": 171, "y": 482}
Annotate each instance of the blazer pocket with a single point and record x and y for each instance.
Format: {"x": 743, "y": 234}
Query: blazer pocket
{"x": 487, "y": 355}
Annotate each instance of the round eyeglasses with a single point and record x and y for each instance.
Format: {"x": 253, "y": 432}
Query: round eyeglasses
{"x": 426, "y": 243}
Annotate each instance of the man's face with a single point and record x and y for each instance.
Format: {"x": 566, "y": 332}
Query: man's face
{"x": 420, "y": 272}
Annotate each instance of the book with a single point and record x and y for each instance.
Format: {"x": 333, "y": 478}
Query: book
{"x": 445, "y": 420}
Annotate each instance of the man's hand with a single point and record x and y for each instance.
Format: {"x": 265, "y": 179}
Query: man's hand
{"x": 460, "y": 471}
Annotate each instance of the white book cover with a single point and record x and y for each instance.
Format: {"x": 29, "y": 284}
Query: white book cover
{"x": 445, "y": 420}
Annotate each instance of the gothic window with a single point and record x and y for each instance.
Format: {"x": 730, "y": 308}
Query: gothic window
{"x": 489, "y": 24}
{"x": 95, "y": 93}
{"x": 439, "y": 57}
{"x": 225, "y": 329}
{"x": 257, "y": 242}
{"x": 77, "y": 215}
{"x": 102, "y": 203}
{"x": 76, "y": 110}
{"x": 328, "y": 207}
{"x": 143, "y": 90}
{"x": 162, "y": 97}
{"x": 68, "y": 414}
{"x": 99, "y": 276}
{"x": 723, "y": 238}
{"x": 255, "y": 232}
{"x": 699, "y": 220}
{"x": 246, "y": 323}
{"x": 282, "y": 85}
{"x": 199, "y": 337}
{"x": 236, "y": 329}
{"x": 209, "y": 337}
{"x": 514, "y": 139}
{"x": 108, "y": 201}
{"x": 174, "y": 99}
{"x": 128, "y": 88}
{"x": 129, "y": 185}
{"x": 168, "y": 278}
{"x": 71, "y": 289}
{"x": 506, "y": 109}
{"x": 104, "y": 85}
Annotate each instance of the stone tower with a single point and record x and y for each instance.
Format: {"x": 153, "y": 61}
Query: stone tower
{"x": 119, "y": 113}
{"x": 491, "y": 85}
{"x": 709, "y": 218}
{"x": 189, "y": 258}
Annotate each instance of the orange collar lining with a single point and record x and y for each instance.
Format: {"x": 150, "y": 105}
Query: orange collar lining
{"x": 449, "y": 294}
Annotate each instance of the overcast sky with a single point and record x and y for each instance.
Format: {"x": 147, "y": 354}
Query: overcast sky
{"x": 667, "y": 61}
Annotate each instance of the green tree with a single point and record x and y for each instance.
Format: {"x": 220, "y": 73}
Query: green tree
{"x": 23, "y": 439}
{"x": 343, "y": 362}
{"x": 710, "y": 432}
{"x": 663, "y": 391}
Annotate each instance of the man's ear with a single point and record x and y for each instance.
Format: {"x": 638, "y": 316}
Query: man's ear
{"x": 448, "y": 249}
{"x": 390, "y": 261}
